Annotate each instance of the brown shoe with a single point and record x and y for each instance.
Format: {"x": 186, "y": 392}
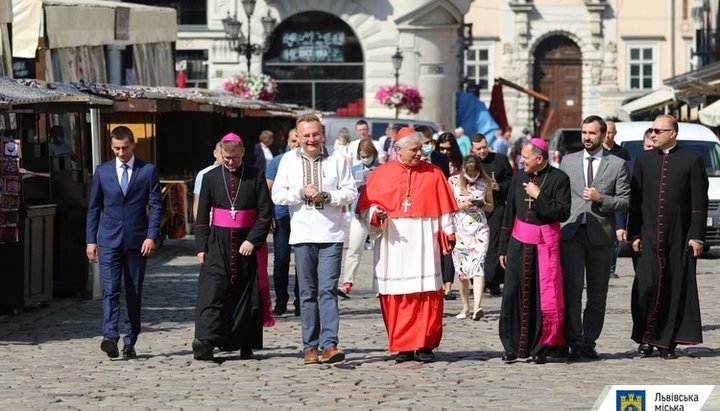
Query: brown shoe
{"x": 311, "y": 356}
{"x": 332, "y": 354}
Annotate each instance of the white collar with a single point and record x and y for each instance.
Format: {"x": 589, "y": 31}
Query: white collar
{"x": 667, "y": 151}
{"x": 130, "y": 162}
{"x": 596, "y": 156}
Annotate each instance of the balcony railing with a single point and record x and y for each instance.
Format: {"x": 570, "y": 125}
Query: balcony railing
{"x": 707, "y": 46}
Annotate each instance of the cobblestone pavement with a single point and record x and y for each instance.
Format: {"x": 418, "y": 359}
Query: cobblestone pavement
{"x": 51, "y": 357}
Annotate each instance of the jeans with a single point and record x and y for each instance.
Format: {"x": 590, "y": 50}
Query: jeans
{"x": 613, "y": 259}
{"x": 318, "y": 268}
{"x": 281, "y": 262}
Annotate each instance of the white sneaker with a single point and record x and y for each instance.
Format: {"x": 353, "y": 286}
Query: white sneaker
{"x": 461, "y": 316}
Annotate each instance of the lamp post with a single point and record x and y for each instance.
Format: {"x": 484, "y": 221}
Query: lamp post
{"x": 231, "y": 26}
{"x": 397, "y": 60}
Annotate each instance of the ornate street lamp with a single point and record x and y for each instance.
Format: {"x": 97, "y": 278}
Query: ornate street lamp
{"x": 397, "y": 60}
{"x": 231, "y": 26}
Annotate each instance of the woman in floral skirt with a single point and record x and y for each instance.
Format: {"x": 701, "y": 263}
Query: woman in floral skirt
{"x": 474, "y": 198}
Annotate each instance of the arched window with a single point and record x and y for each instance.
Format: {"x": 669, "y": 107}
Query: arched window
{"x": 316, "y": 60}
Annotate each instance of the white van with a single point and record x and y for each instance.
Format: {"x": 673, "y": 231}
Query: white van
{"x": 692, "y": 136}
{"x": 377, "y": 126}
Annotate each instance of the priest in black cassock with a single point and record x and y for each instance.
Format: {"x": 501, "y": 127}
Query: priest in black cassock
{"x": 498, "y": 168}
{"x": 532, "y": 310}
{"x": 229, "y": 312}
{"x": 666, "y": 226}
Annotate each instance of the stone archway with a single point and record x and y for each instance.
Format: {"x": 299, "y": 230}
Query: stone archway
{"x": 557, "y": 73}
{"x": 317, "y": 61}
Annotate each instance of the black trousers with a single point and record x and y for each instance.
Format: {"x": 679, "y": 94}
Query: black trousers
{"x": 584, "y": 262}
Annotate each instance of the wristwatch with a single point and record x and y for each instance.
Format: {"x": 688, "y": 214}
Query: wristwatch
{"x": 325, "y": 196}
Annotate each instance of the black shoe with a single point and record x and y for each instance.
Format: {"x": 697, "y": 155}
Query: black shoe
{"x": 574, "y": 353}
{"x": 404, "y": 356}
{"x": 202, "y": 350}
{"x": 246, "y": 354}
{"x": 541, "y": 356}
{"x": 589, "y": 353}
{"x": 450, "y": 296}
{"x": 297, "y": 311}
{"x": 128, "y": 352}
{"x": 279, "y": 309}
{"x": 668, "y": 353}
{"x": 509, "y": 356}
{"x": 613, "y": 275}
{"x": 109, "y": 347}
{"x": 645, "y": 350}
{"x": 425, "y": 355}
{"x": 494, "y": 290}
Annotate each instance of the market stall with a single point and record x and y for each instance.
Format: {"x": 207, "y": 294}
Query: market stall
{"x": 42, "y": 172}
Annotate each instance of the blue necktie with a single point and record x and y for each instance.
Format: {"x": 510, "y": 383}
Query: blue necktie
{"x": 124, "y": 179}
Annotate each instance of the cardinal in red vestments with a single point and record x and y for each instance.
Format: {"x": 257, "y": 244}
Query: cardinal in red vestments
{"x": 408, "y": 206}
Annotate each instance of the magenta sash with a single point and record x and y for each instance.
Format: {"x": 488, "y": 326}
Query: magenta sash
{"x": 550, "y": 282}
{"x": 221, "y": 217}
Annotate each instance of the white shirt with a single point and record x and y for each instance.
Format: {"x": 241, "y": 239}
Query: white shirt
{"x": 310, "y": 224}
{"x": 268, "y": 155}
{"x": 119, "y": 168}
{"x": 199, "y": 177}
{"x": 352, "y": 152}
{"x": 596, "y": 163}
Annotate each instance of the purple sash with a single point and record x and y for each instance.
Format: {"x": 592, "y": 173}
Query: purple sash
{"x": 221, "y": 217}
{"x": 550, "y": 282}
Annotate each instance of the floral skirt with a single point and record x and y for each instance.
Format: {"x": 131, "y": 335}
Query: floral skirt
{"x": 469, "y": 253}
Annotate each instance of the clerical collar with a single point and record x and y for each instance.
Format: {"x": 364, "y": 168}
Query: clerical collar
{"x": 541, "y": 171}
{"x": 405, "y": 165}
{"x": 235, "y": 170}
{"x": 667, "y": 151}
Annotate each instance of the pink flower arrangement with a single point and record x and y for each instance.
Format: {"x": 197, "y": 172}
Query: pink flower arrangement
{"x": 401, "y": 97}
{"x": 252, "y": 86}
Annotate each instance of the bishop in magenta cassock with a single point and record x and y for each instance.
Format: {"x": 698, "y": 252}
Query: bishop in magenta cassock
{"x": 408, "y": 206}
{"x": 532, "y": 310}
{"x": 229, "y": 310}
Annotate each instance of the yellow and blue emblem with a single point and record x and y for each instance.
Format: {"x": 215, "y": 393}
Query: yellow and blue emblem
{"x": 630, "y": 400}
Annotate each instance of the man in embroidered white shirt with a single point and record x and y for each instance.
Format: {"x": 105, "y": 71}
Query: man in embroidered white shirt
{"x": 315, "y": 187}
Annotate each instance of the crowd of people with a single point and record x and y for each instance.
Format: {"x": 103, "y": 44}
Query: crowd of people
{"x": 435, "y": 209}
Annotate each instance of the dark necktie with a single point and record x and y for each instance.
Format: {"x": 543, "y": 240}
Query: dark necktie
{"x": 124, "y": 179}
{"x": 590, "y": 171}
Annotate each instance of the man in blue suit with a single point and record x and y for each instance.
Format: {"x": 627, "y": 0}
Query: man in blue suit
{"x": 123, "y": 226}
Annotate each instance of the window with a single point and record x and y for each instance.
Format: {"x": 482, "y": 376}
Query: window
{"x": 478, "y": 67}
{"x": 196, "y": 69}
{"x": 317, "y": 61}
{"x": 642, "y": 67}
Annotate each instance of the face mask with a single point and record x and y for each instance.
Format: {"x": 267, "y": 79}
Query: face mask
{"x": 367, "y": 161}
{"x": 470, "y": 179}
{"x": 427, "y": 149}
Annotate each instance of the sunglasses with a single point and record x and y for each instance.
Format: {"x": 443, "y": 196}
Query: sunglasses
{"x": 658, "y": 131}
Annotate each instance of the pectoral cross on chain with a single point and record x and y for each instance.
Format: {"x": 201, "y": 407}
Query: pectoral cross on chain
{"x": 233, "y": 212}
{"x": 405, "y": 204}
{"x": 529, "y": 201}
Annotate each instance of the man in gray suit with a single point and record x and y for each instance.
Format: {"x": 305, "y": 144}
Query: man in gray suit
{"x": 599, "y": 187}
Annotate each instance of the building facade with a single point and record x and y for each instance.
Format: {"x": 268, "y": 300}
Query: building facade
{"x": 330, "y": 54}
{"x": 588, "y": 56}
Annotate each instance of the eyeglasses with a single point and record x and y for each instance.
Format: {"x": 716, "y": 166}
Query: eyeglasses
{"x": 658, "y": 131}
